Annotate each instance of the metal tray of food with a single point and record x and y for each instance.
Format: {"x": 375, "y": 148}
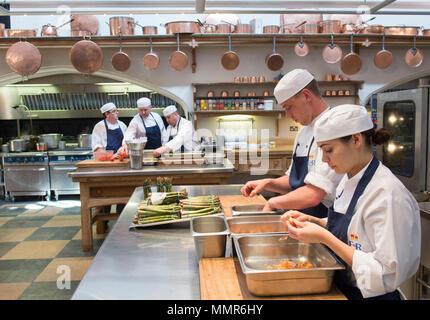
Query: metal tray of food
{"x": 251, "y": 209}
{"x": 257, "y": 253}
{"x": 149, "y": 161}
{"x": 256, "y": 224}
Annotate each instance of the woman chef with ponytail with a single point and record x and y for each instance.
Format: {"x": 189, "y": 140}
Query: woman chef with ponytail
{"x": 373, "y": 225}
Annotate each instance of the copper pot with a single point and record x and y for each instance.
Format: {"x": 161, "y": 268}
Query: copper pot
{"x": 337, "y": 77}
{"x": 426, "y": 32}
{"x": 373, "y": 29}
{"x": 245, "y": 79}
{"x": 410, "y": 31}
{"x": 86, "y": 56}
{"x": 123, "y": 25}
{"x": 41, "y": 146}
{"x": 237, "y": 79}
{"x": 311, "y": 28}
{"x": 271, "y": 29}
{"x": 266, "y": 93}
{"x": 327, "y": 93}
{"x": 210, "y": 28}
{"x": 224, "y": 28}
{"x": 330, "y": 26}
{"x": 340, "y": 93}
{"x": 87, "y": 23}
{"x": 292, "y": 28}
{"x": 243, "y": 28}
{"x": 21, "y": 33}
{"x": 236, "y": 93}
{"x": 1, "y": 29}
{"x": 49, "y": 30}
{"x": 211, "y": 94}
{"x": 328, "y": 77}
{"x": 253, "y": 79}
{"x": 24, "y": 58}
{"x": 224, "y": 93}
{"x": 182, "y": 27}
{"x": 261, "y": 79}
{"x": 149, "y": 30}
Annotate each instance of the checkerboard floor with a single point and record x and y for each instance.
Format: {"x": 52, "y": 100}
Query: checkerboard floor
{"x": 40, "y": 245}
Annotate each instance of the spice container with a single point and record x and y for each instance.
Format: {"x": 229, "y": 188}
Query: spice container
{"x": 347, "y": 92}
{"x": 237, "y": 79}
{"x": 245, "y": 79}
{"x": 340, "y": 93}
{"x": 327, "y": 93}
{"x": 333, "y": 93}
{"x": 236, "y": 94}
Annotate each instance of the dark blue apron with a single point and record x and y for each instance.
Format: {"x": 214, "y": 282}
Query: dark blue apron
{"x": 298, "y": 173}
{"x": 153, "y": 134}
{"x": 171, "y": 137}
{"x": 338, "y": 223}
{"x": 114, "y": 138}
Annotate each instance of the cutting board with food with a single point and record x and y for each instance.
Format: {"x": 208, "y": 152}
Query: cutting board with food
{"x": 231, "y": 200}
{"x": 93, "y": 163}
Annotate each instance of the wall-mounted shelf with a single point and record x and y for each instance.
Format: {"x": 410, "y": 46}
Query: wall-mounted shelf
{"x": 250, "y": 112}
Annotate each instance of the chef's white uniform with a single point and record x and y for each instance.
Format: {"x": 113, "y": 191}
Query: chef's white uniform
{"x": 182, "y": 134}
{"x": 137, "y": 130}
{"x": 99, "y": 134}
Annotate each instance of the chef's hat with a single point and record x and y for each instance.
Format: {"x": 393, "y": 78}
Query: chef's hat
{"x": 342, "y": 121}
{"x": 143, "y": 103}
{"x": 292, "y": 83}
{"x": 107, "y": 107}
{"x": 169, "y": 110}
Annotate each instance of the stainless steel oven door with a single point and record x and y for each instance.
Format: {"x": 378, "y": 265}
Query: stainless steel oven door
{"x": 26, "y": 179}
{"x": 60, "y": 181}
{"x": 404, "y": 114}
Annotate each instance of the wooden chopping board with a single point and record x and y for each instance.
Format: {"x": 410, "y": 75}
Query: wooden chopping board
{"x": 92, "y": 163}
{"x": 223, "y": 279}
{"x": 228, "y": 201}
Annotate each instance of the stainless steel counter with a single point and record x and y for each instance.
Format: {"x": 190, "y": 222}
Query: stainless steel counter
{"x": 160, "y": 169}
{"x": 157, "y": 262}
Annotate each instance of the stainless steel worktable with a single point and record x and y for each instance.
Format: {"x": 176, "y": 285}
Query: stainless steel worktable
{"x": 156, "y": 262}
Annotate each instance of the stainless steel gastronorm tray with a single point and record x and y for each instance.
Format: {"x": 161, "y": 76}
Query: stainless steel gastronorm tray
{"x": 255, "y": 252}
{"x": 256, "y": 224}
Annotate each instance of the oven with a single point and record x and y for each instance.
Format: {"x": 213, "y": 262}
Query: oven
{"x": 60, "y": 164}
{"x": 26, "y": 174}
{"x": 405, "y": 114}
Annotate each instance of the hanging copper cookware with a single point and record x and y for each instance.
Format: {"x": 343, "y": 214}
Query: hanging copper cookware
{"x": 409, "y": 31}
{"x": 24, "y": 58}
{"x": 271, "y": 29}
{"x": 351, "y": 63}
{"x": 123, "y": 25}
{"x": 310, "y": 28}
{"x": 243, "y": 28}
{"x": 414, "y": 56}
{"x": 373, "y": 29}
{"x": 178, "y": 60}
{"x": 49, "y": 30}
{"x": 2, "y": 29}
{"x": 274, "y": 61}
{"x": 224, "y": 28}
{"x": 330, "y": 26}
{"x": 383, "y": 58}
{"x": 15, "y": 33}
{"x": 182, "y": 27}
{"x": 151, "y": 60}
{"x": 426, "y": 32}
{"x": 332, "y": 53}
{"x": 120, "y": 60}
{"x": 230, "y": 60}
{"x": 84, "y": 25}
{"x": 86, "y": 56}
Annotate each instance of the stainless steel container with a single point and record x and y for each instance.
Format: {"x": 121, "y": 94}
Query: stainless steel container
{"x": 62, "y": 145}
{"x": 51, "y": 139}
{"x": 256, "y": 224}
{"x": 210, "y": 236}
{"x": 84, "y": 140}
{"x": 256, "y": 252}
{"x": 5, "y": 148}
{"x": 135, "y": 151}
{"x": 215, "y": 158}
{"x": 18, "y": 145}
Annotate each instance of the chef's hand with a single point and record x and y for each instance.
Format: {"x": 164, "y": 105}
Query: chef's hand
{"x": 308, "y": 232}
{"x": 122, "y": 151}
{"x": 252, "y": 188}
{"x": 159, "y": 151}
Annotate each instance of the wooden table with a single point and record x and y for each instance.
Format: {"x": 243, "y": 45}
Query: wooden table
{"x": 107, "y": 185}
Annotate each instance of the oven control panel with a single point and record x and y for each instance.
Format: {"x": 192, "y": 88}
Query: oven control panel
{"x": 69, "y": 158}
{"x": 26, "y": 160}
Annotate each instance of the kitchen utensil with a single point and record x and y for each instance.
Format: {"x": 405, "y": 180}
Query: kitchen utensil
{"x": 225, "y": 28}
{"x": 402, "y": 30}
{"x": 351, "y": 63}
{"x": 121, "y": 26}
{"x": 328, "y": 77}
{"x": 271, "y": 29}
{"x": 120, "y": 60}
{"x": 230, "y": 60}
{"x": 237, "y": 79}
{"x": 86, "y": 56}
{"x": 330, "y": 26}
{"x": 383, "y": 58}
{"x": 301, "y": 48}
{"x": 24, "y": 58}
{"x": 62, "y": 145}
{"x": 337, "y": 77}
{"x": 245, "y": 79}
{"x": 347, "y": 92}
{"x": 42, "y": 146}
{"x": 84, "y": 25}
{"x": 426, "y": 32}
{"x": 178, "y": 60}
{"x": 210, "y": 235}
{"x": 261, "y": 79}
{"x": 274, "y": 61}
{"x": 149, "y": 30}
{"x": 51, "y": 139}
{"x": 49, "y": 30}
{"x": 333, "y": 93}
{"x": 30, "y": 142}
{"x": 5, "y": 148}
{"x": 414, "y": 56}
{"x": 236, "y": 94}
{"x": 224, "y": 93}
{"x": 373, "y": 29}
{"x": 253, "y": 79}
{"x": 16, "y": 33}
{"x": 182, "y": 27}
{"x": 340, "y": 93}
{"x": 327, "y": 93}
{"x": 210, "y": 94}
{"x": 84, "y": 140}
{"x": 332, "y": 53}
{"x": 151, "y": 60}
{"x": 243, "y": 28}
{"x": 266, "y": 93}
{"x": 310, "y": 28}
{"x": 18, "y": 145}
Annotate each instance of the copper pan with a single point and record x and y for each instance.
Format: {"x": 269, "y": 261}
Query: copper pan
{"x": 351, "y": 63}
{"x": 271, "y": 29}
{"x": 49, "y": 30}
{"x": 383, "y": 58}
{"x": 410, "y": 31}
{"x": 414, "y": 56}
{"x": 24, "y": 58}
{"x": 80, "y": 33}
{"x": 243, "y": 28}
{"x": 12, "y": 33}
{"x": 373, "y": 29}
{"x": 86, "y": 56}
{"x": 301, "y": 48}
{"x": 292, "y": 28}
{"x": 330, "y": 26}
{"x": 230, "y": 60}
{"x": 224, "y": 28}
{"x": 178, "y": 60}
{"x": 149, "y": 30}
{"x": 353, "y": 25}
{"x": 182, "y": 27}
{"x": 426, "y": 32}
{"x": 151, "y": 59}
{"x": 120, "y": 60}
{"x": 310, "y": 28}
{"x": 2, "y": 29}
{"x": 332, "y": 53}
{"x": 274, "y": 61}
{"x": 123, "y": 25}
{"x": 87, "y": 23}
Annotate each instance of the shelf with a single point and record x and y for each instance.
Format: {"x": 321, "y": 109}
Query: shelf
{"x": 341, "y": 82}
{"x": 344, "y": 96}
{"x": 217, "y": 97}
{"x": 227, "y": 112}
{"x": 235, "y": 83}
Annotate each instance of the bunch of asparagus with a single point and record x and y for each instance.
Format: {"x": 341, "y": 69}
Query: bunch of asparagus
{"x": 200, "y": 206}
{"x": 147, "y": 213}
{"x": 172, "y": 197}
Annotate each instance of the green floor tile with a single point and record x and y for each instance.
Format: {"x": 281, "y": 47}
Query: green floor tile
{"x": 70, "y": 211}
{"x": 11, "y": 211}
{"x": 21, "y": 270}
{"x": 53, "y": 233}
{"x": 74, "y": 249}
{"x": 48, "y": 291}
{"x": 27, "y": 222}
{"x": 6, "y": 246}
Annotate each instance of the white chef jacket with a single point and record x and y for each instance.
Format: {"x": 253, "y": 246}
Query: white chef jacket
{"x": 137, "y": 130}
{"x": 385, "y": 230}
{"x": 99, "y": 135}
{"x": 319, "y": 173}
{"x": 183, "y": 135}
